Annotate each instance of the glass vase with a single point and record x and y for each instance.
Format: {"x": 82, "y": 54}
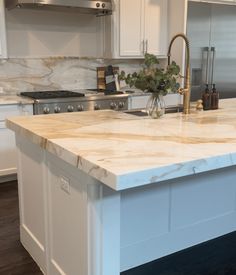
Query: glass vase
{"x": 155, "y": 106}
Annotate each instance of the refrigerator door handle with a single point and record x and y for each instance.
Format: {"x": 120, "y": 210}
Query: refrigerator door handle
{"x": 208, "y": 50}
{"x": 213, "y": 51}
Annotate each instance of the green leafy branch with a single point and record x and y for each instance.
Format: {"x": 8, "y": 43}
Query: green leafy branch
{"x": 152, "y": 78}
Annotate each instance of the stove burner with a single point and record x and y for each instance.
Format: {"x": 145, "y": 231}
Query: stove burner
{"x": 51, "y": 94}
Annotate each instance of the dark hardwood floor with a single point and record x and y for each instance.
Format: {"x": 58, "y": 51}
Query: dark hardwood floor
{"x": 216, "y": 257}
{"x": 14, "y": 259}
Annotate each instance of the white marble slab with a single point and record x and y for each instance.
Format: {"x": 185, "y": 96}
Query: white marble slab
{"x": 55, "y": 73}
{"x": 14, "y": 99}
{"x": 125, "y": 151}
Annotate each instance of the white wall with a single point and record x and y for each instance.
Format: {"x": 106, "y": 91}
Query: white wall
{"x": 37, "y": 33}
{"x": 177, "y": 24}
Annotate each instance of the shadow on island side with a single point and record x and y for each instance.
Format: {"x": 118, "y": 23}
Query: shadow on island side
{"x": 215, "y": 257}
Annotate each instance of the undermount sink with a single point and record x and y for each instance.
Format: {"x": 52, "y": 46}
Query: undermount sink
{"x": 168, "y": 110}
{"x": 137, "y": 112}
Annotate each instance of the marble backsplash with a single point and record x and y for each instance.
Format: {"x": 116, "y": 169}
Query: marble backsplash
{"x": 41, "y": 74}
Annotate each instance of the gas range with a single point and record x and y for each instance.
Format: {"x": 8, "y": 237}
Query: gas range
{"x": 61, "y": 101}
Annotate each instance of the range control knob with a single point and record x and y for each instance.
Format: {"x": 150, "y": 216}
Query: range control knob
{"x": 103, "y": 5}
{"x": 70, "y": 108}
{"x": 80, "y": 108}
{"x": 121, "y": 105}
{"x": 97, "y": 107}
{"x": 57, "y": 109}
{"x": 46, "y": 110}
{"x": 97, "y": 5}
{"x": 113, "y": 105}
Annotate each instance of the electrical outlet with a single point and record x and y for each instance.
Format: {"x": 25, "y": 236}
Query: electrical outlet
{"x": 65, "y": 184}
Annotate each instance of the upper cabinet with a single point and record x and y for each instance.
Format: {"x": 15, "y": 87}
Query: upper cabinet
{"x": 136, "y": 27}
{"x": 3, "y": 47}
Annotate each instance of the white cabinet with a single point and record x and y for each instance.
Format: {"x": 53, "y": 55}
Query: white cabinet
{"x": 3, "y": 47}
{"x": 8, "y": 157}
{"x": 136, "y": 27}
{"x": 140, "y": 101}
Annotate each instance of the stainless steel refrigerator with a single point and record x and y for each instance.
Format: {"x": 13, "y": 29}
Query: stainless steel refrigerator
{"x": 211, "y": 29}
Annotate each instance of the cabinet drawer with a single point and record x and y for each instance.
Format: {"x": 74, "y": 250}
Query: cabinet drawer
{"x": 7, "y": 151}
{"x": 8, "y": 111}
{"x": 139, "y": 102}
{"x": 2, "y": 124}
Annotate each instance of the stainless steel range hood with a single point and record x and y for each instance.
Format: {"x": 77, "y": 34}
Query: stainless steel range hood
{"x": 81, "y": 6}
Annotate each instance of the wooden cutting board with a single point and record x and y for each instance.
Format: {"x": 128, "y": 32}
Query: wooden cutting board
{"x": 101, "y": 83}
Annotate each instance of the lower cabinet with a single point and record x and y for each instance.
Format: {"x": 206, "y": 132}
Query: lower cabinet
{"x": 140, "y": 101}
{"x": 8, "y": 159}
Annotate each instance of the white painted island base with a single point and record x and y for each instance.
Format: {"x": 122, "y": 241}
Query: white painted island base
{"x": 73, "y": 224}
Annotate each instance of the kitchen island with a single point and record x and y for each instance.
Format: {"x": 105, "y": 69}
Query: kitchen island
{"x": 102, "y": 192}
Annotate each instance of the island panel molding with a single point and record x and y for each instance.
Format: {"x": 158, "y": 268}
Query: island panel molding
{"x": 32, "y": 201}
{"x": 87, "y": 228}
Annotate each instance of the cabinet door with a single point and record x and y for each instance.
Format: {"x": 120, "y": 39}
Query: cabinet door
{"x": 223, "y": 42}
{"x": 3, "y": 50}
{"x": 7, "y": 151}
{"x": 138, "y": 102}
{"x": 155, "y": 26}
{"x": 131, "y": 28}
{"x": 8, "y": 158}
{"x": 199, "y": 25}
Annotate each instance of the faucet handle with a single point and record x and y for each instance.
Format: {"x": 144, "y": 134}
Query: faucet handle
{"x": 182, "y": 91}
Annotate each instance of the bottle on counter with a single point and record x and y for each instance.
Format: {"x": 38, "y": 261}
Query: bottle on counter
{"x": 206, "y": 99}
{"x": 214, "y": 98}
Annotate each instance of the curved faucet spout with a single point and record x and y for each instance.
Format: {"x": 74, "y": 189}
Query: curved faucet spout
{"x": 187, "y": 88}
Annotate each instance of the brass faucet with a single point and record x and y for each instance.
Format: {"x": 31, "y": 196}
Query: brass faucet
{"x": 187, "y": 89}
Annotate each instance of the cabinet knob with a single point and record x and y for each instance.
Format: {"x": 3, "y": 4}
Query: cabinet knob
{"x": 57, "y": 109}
{"x": 97, "y": 107}
{"x": 80, "y": 108}
{"x": 121, "y": 105}
{"x": 70, "y": 108}
{"x": 113, "y": 105}
{"x": 46, "y": 110}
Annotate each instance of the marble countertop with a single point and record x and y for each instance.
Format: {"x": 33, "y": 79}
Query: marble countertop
{"x": 14, "y": 99}
{"x": 124, "y": 151}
